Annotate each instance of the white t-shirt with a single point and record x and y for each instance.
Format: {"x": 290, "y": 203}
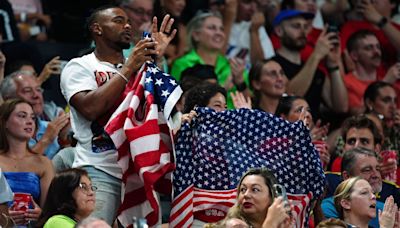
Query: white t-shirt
{"x": 94, "y": 147}
{"x": 239, "y": 41}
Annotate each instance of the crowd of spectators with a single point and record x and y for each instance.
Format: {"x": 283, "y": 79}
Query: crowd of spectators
{"x": 333, "y": 65}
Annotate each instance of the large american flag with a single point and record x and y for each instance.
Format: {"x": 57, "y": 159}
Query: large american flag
{"x": 139, "y": 129}
{"x": 214, "y": 152}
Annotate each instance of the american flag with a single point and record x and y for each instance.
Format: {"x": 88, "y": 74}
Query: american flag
{"x": 213, "y": 153}
{"x": 139, "y": 129}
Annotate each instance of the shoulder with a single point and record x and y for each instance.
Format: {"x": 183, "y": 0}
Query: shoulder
{"x": 59, "y": 221}
{"x": 42, "y": 162}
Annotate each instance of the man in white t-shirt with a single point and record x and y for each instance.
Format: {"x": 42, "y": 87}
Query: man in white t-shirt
{"x": 93, "y": 85}
{"x": 248, "y": 38}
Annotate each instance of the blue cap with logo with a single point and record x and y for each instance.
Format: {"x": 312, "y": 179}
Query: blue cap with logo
{"x": 287, "y": 14}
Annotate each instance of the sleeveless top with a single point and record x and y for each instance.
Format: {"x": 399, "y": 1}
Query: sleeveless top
{"x": 25, "y": 182}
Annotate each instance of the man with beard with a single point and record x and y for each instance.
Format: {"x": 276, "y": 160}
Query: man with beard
{"x": 305, "y": 79}
{"x": 93, "y": 85}
{"x": 365, "y": 51}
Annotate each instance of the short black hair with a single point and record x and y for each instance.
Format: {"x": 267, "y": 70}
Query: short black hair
{"x": 197, "y": 74}
{"x": 201, "y": 94}
{"x": 93, "y": 17}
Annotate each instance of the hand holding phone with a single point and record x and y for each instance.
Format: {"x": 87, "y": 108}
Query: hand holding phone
{"x": 281, "y": 191}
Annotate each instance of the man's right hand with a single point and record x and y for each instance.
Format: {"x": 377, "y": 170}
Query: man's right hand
{"x": 140, "y": 54}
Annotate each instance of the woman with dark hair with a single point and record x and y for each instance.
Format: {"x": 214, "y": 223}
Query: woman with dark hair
{"x": 70, "y": 199}
{"x": 380, "y": 98}
{"x": 268, "y": 83}
{"x": 25, "y": 171}
{"x": 257, "y": 202}
{"x": 295, "y": 108}
{"x": 205, "y": 95}
{"x": 206, "y": 40}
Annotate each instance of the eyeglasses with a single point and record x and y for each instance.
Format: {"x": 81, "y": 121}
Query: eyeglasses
{"x": 139, "y": 12}
{"x": 85, "y": 188}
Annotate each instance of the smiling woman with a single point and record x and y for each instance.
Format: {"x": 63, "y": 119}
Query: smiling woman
{"x": 71, "y": 198}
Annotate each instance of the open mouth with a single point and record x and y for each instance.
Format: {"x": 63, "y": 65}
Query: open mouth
{"x": 373, "y": 206}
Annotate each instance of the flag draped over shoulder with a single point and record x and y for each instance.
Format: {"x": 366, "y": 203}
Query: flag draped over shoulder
{"x": 140, "y": 132}
{"x": 220, "y": 147}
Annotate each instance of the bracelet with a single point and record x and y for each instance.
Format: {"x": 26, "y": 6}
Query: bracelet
{"x": 382, "y": 22}
{"x": 122, "y": 76}
{"x": 241, "y": 87}
{"x": 332, "y": 69}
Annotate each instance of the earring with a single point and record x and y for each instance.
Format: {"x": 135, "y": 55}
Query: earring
{"x": 99, "y": 33}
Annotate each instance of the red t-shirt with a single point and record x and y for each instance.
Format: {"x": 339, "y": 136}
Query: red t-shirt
{"x": 355, "y": 89}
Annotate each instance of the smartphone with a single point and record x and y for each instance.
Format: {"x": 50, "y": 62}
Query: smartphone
{"x": 148, "y": 35}
{"x": 281, "y": 191}
{"x": 333, "y": 28}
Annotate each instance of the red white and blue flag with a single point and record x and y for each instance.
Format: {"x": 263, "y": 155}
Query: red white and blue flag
{"x": 219, "y": 147}
{"x": 140, "y": 131}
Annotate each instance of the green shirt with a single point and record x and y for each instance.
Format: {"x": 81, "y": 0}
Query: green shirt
{"x": 57, "y": 221}
{"x": 222, "y": 70}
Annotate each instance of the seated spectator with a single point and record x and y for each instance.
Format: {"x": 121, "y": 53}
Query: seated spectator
{"x": 206, "y": 95}
{"x": 365, "y": 51}
{"x": 25, "y": 171}
{"x": 268, "y": 83}
{"x": 381, "y": 98}
{"x": 50, "y": 136}
{"x": 248, "y": 38}
{"x": 356, "y": 203}
{"x": 294, "y": 108}
{"x": 257, "y": 202}
{"x": 70, "y": 199}
{"x": 364, "y": 163}
{"x": 207, "y": 39}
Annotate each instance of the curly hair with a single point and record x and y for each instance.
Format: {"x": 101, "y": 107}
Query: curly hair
{"x": 201, "y": 94}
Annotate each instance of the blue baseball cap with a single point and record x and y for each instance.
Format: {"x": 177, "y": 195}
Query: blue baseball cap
{"x": 287, "y": 14}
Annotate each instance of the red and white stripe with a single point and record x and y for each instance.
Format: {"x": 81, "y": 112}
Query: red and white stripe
{"x": 144, "y": 153}
{"x": 193, "y": 200}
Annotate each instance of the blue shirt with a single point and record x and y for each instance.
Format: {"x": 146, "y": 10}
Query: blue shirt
{"x": 52, "y": 148}
{"x": 329, "y": 210}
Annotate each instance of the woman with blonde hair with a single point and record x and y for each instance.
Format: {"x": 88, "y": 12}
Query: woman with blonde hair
{"x": 356, "y": 204}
